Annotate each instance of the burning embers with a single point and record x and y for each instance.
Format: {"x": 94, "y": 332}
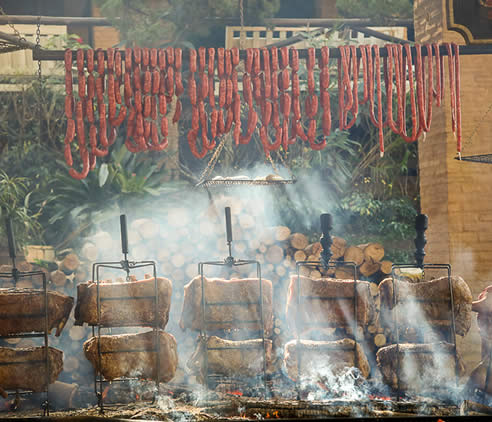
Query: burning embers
{"x": 242, "y": 307}
{"x": 326, "y": 367}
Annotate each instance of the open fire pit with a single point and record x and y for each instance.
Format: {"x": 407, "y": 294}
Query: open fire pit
{"x": 326, "y": 370}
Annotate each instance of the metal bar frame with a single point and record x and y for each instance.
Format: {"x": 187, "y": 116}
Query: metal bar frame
{"x": 59, "y": 55}
{"x": 396, "y": 319}
{"x": 231, "y": 262}
{"x": 16, "y": 275}
{"x": 126, "y": 266}
{"x": 323, "y": 268}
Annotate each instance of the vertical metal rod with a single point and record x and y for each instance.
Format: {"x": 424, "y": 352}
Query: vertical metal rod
{"x": 124, "y": 245}
{"x": 124, "y": 235}
{"x": 262, "y": 319}
{"x": 298, "y": 330}
{"x": 453, "y": 328}
{"x": 356, "y": 336}
{"x": 46, "y": 346}
{"x": 99, "y": 354}
{"x": 203, "y": 330}
{"x": 396, "y": 330}
{"x": 228, "y": 230}
{"x": 157, "y": 345}
{"x": 11, "y": 244}
{"x": 421, "y": 224}
{"x": 488, "y": 375}
{"x": 326, "y": 239}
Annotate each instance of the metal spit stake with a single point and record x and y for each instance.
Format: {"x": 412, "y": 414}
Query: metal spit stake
{"x": 323, "y": 265}
{"x": 230, "y": 262}
{"x": 421, "y": 225}
{"x": 124, "y": 246}
{"x": 11, "y": 245}
{"x": 125, "y": 265}
{"x": 230, "y": 259}
{"x": 16, "y": 275}
{"x": 326, "y": 240}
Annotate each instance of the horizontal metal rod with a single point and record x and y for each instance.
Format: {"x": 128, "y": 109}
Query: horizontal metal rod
{"x": 101, "y": 21}
{"x": 231, "y": 303}
{"x": 9, "y": 316}
{"x": 126, "y": 298}
{"x": 54, "y": 20}
{"x": 59, "y": 55}
{"x": 23, "y": 335}
{"x": 322, "y": 22}
{"x": 381, "y": 35}
{"x": 242, "y": 321}
{"x": 25, "y": 362}
{"x": 239, "y": 347}
{"x": 107, "y": 352}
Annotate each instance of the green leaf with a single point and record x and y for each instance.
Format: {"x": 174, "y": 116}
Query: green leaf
{"x": 103, "y": 174}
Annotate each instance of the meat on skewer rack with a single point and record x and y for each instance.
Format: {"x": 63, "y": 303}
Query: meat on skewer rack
{"x": 421, "y": 224}
{"x": 15, "y": 275}
{"x": 327, "y": 268}
{"x": 214, "y": 379}
{"x": 127, "y": 266}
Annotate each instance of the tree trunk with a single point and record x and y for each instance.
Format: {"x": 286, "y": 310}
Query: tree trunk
{"x": 70, "y": 263}
{"x": 282, "y": 233}
{"x": 338, "y": 247}
{"x": 369, "y": 268}
{"x": 298, "y": 241}
{"x": 354, "y": 254}
{"x": 373, "y": 251}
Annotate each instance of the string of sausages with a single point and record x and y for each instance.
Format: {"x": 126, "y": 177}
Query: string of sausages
{"x": 137, "y": 94}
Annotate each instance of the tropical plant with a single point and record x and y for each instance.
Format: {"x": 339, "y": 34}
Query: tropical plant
{"x": 15, "y": 204}
{"x": 123, "y": 183}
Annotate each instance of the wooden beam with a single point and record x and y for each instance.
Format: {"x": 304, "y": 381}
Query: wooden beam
{"x": 101, "y": 21}
{"x": 53, "y": 20}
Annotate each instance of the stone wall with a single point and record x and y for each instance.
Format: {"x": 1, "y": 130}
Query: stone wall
{"x": 455, "y": 195}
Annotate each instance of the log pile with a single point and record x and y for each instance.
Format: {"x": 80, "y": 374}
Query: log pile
{"x": 179, "y": 240}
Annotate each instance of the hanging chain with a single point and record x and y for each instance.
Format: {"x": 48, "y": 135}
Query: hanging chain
{"x": 16, "y": 32}
{"x": 213, "y": 161}
{"x": 38, "y": 46}
{"x": 242, "y": 34}
{"x": 291, "y": 175}
{"x": 269, "y": 156}
{"x": 40, "y": 79}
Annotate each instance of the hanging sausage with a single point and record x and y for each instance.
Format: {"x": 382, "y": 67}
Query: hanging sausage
{"x": 271, "y": 85}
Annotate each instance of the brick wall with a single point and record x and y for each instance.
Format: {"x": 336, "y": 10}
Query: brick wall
{"x": 455, "y": 195}
{"x": 104, "y": 36}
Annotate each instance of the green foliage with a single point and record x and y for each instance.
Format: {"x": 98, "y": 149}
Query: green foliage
{"x": 20, "y": 114}
{"x": 73, "y": 41}
{"x": 375, "y": 8}
{"x": 177, "y": 22}
{"x": 387, "y": 221}
{"x": 14, "y": 204}
{"x": 123, "y": 183}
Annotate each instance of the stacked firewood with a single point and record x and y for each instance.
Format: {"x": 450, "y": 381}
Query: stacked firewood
{"x": 177, "y": 240}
